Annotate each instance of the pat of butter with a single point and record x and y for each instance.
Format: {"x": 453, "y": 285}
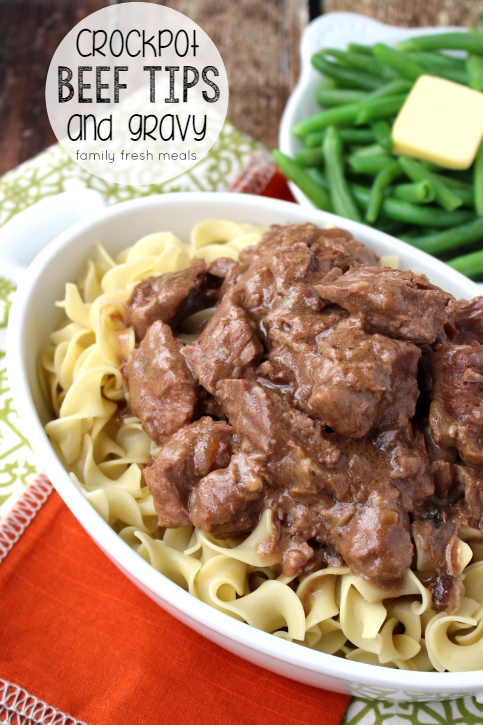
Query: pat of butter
{"x": 440, "y": 121}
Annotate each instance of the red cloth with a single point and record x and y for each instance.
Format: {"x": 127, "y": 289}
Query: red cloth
{"x": 261, "y": 176}
{"x": 78, "y": 635}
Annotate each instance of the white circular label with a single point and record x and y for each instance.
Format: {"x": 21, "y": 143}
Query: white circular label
{"x": 137, "y": 93}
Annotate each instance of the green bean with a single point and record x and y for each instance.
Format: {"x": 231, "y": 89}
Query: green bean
{"x": 357, "y": 48}
{"x": 372, "y": 150}
{"x": 304, "y": 181}
{"x": 310, "y": 157}
{"x": 472, "y": 42}
{"x": 467, "y": 196}
{"x": 340, "y": 193}
{"x": 438, "y": 59}
{"x": 458, "y": 236}
{"x": 382, "y": 133}
{"x": 382, "y": 181}
{"x": 348, "y": 135}
{"x": 391, "y": 226}
{"x": 424, "y": 216}
{"x": 338, "y": 96}
{"x": 361, "y": 61}
{"x": 379, "y": 108}
{"x": 355, "y": 78}
{"x": 368, "y": 164}
{"x": 400, "y": 62}
{"x": 478, "y": 181}
{"x": 331, "y": 117}
{"x": 315, "y": 139}
{"x": 319, "y": 177}
{"x": 469, "y": 264}
{"x": 444, "y": 196}
{"x": 370, "y": 109}
{"x": 454, "y": 183}
{"x": 393, "y": 88}
{"x": 356, "y": 135}
{"x": 419, "y": 192}
{"x": 328, "y": 82}
{"x": 434, "y": 67}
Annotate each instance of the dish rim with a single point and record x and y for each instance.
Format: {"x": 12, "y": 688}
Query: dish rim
{"x": 139, "y": 570}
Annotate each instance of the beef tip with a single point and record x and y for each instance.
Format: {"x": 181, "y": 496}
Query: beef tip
{"x": 364, "y": 381}
{"x": 403, "y": 305}
{"x": 227, "y": 272}
{"x": 403, "y": 458}
{"x": 303, "y": 263}
{"x": 442, "y": 464}
{"x": 276, "y": 238}
{"x": 293, "y": 254}
{"x": 163, "y": 392}
{"x": 456, "y": 413}
{"x": 291, "y": 265}
{"x": 169, "y": 298}
{"x": 222, "y": 267}
{"x": 330, "y": 368}
{"x": 210, "y": 406}
{"x": 470, "y": 484}
{"x": 228, "y": 502}
{"x": 228, "y": 346}
{"x": 338, "y": 242}
{"x": 188, "y": 456}
{"x": 467, "y": 318}
{"x": 325, "y": 487}
{"x": 376, "y": 543}
{"x": 271, "y": 427}
{"x": 388, "y": 475}
{"x": 438, "y": 566}
{"x": 425, "y": 369}
{"x": 292, "y": 330}
{"x": 297, "y": 315}
{"x": 256, "y": 290}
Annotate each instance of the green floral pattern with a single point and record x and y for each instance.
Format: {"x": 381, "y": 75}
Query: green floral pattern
{"x": 53, "y": 172}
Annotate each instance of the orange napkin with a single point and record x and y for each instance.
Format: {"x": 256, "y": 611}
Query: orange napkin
{"x": 76, "y": 634}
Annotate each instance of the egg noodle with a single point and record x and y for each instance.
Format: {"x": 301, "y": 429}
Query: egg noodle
{"x": 329, "y": 611}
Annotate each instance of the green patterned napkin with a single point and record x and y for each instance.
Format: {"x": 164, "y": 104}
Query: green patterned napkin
{"x": 53, "y": 172}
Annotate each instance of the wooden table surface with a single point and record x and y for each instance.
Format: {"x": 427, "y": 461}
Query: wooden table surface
{"x": 258, "y": 41}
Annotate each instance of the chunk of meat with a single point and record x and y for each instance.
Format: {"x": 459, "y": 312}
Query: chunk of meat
{"x": 470, "y": 483}
{"x": 227, "y": 271}
{"x": 163, "y": 392}
{"x": 364, "y": 381}
{"x": 467, "y": 318}
{"x": 376, "y": 542}
{"x": 442, "y": 465}
{"x": 329, "y": 488}
{"x": 330, "y": 368}
{"x": 456, "y": 413}
{"x": 403, "y": 458}
{"x": 169, "y": 298}
{"x": 297, "y": 315}
{"x": 188, "y": 456}
{"x": 228, "y": 346}
{"x": 256, "y": 290}
{"x": 291, "y": 331}
{"x": 338, "y": 242}
{"x": 228, "y": 502}
{"x": 438, "y": 560}
{"x": 403, "y": 305}
{"x": 274, "y": 429}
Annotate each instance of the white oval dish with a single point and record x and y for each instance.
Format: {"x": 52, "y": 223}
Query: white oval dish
{"x": 334, "y": 30}
{"x": 34, "y": 316}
